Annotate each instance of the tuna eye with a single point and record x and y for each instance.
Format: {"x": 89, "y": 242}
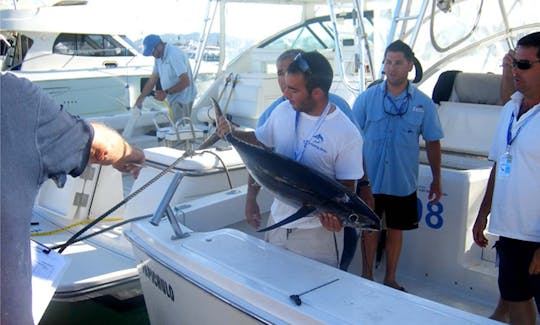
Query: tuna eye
{"x": 353, "y": 218}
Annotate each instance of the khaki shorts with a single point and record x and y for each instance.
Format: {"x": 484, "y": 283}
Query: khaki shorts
{"x": 315, "y": 243}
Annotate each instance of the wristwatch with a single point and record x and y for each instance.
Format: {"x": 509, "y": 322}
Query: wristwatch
{"x": 363, "y": 183}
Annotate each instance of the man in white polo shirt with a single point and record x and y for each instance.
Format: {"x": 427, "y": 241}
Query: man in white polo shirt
{"x": 513, "y": 187}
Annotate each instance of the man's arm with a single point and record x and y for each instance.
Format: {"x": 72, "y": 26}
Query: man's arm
{"x": 507, "y": 81}
{"x": 109, "y": 148}
{"x": 433, "y": 149}
{"x": 485, "y": 208}
{"x": 183, "y": 83}
{"x": 147, "y": 89}
{"x": 363, "y": 189}
{"x": 253, "y": 213}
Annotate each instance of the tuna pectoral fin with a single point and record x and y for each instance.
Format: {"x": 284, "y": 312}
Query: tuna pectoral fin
{"x": 302, "y": 212}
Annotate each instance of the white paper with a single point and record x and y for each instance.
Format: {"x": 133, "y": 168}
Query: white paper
{"x": 47, "y": 269}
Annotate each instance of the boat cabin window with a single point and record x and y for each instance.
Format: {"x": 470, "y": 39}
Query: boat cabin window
{"x": 89, "y": 45}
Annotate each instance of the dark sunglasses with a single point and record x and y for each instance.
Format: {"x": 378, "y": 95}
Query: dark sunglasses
{"x": 523, "y": 64}
{"x": 302, "y": 63}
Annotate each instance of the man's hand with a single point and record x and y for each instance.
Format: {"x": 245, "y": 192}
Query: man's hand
{"x": 139, "y": 102}
{"x": 223, "y": 127}
{"x": 330, "y": 222}
{"x": 253, "y": 214}
{"x": 131, "y": 163}
{"x": 478, "y": 231}
{"x": 534, "y": 267}
{"x": 160, "y": 95}
{"x": 508, "y": 59}
{"x": 109, "y": 148}
{"x": 435, "y": 192}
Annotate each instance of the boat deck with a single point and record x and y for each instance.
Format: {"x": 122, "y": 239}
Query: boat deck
{"x": 415, "y": 286}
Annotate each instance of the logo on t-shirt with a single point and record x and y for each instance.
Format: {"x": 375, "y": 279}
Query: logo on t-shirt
{"x": 317, "y": 142}
{"x": 318, "y": 138}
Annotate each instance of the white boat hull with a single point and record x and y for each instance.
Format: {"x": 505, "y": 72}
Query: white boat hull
{"x": 229, "y": 277}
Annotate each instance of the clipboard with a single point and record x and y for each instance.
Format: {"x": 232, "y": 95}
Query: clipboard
{"x": 47, "y": 268}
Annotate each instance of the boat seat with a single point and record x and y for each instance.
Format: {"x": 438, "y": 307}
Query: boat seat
{"x": 474, "y": 88}
{"x": 469, "y": 105}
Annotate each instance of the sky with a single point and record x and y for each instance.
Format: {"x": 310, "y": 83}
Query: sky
{"x": 186, "y": 16}
{"x": 142, "y": 17}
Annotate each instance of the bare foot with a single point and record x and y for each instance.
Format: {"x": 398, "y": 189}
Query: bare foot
{"x": 369, "y": 277}
{"x": 395, "y": 285}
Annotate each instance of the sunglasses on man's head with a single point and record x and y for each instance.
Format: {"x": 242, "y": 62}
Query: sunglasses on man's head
{"x": 523, "y": 64}
{"x": 302, "y": 63}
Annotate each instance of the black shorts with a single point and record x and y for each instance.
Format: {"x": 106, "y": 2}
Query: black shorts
{"x": 515, "y": 282}
{"x": 398, "y": 212}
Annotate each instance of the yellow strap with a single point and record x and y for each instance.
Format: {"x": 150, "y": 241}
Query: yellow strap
{"x": 169, "y": 108}
{"x": 52, "y": 232}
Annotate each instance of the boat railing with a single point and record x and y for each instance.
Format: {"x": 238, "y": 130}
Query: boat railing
{"x": 164, "y": 209}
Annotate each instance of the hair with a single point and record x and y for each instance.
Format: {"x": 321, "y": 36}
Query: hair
{"x": 319, "y": 73}
{"x": 531, "y": 40}
{"x": 400, "y": 46}
{"x": 289, "y": 54}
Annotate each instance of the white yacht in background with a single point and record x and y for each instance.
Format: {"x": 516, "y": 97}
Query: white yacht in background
{"x": 80, "y": 56}
{"x": 192, "y": 270}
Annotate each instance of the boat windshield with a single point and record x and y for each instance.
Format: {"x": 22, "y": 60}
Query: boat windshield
{"x": 313, "y": 34}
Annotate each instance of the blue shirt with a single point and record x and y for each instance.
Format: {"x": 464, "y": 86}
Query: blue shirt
{"x": 335, "y": 99}
{"x": 391, "y": 137}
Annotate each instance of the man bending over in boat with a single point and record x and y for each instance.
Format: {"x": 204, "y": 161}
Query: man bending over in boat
{"x": 173, "y": 71}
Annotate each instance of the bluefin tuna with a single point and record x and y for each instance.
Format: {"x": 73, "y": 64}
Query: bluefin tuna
{"x": 300, "y": 185}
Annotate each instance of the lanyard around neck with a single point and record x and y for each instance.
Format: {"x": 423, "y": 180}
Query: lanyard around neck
{"x": 301, "y": 147}
{"x": 395, "y": 110}
{"x": 509, "y": 137}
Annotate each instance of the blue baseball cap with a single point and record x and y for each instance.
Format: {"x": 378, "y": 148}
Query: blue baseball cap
{"x": 150, "y": 42}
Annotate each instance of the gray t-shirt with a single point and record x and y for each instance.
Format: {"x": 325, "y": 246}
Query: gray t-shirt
{"x": 38, "y": 141}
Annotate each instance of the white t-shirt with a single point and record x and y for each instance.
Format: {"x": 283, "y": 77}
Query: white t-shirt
{"x": 515, "y": 208}
{"x": 335, "y": 150}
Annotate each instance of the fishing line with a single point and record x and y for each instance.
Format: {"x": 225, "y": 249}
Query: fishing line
{"x": 63, "y": 246}
{"x": 75, "y": 238}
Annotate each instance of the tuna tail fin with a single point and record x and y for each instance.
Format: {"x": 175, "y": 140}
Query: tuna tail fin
{"x": 211, "y": 140}
{"x": 302, "y": 212}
